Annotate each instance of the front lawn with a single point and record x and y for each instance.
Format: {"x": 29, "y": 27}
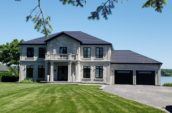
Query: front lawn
{"x": 53, "y": 98}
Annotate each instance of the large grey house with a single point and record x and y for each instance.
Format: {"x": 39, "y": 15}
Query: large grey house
{"x": 74, "y": 56}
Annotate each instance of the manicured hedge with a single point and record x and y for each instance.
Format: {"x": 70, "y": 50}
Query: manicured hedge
{"x": 8, "y": 77}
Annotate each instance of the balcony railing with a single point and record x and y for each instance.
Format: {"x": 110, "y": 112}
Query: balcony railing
{"x": 61, "y": 57}
{"x": 24, "y": 58}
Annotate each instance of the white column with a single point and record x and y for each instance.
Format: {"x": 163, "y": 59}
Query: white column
{"x": 22, "y": 72}
{"x": 104, "y": 74}
{"x": 108, "y": 74}
{"x": 92, "y": 72}
{"x": 134, "y": 77}
{"x": 76, "y": 73}
{"x": 69, "y": 72}
{"x": 78, "y": 78}
{"x": 52, "y": 72}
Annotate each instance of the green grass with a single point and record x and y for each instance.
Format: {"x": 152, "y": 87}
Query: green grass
{"x": 53, "y": 98}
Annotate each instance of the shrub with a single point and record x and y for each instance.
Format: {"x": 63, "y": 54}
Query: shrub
{"x": 14, "y": 71}
{"x": 27, "y": 80}
{"x": 8, "y": 77}
{"x": 168, "y": 84}
{"x": 6, "y": 73}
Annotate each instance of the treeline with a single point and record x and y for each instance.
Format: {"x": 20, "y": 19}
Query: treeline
{"x": 166, "y": 72}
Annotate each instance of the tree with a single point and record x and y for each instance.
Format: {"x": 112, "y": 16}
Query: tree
{"x": 42, "y": 23}
{"x": 10, "y": 53}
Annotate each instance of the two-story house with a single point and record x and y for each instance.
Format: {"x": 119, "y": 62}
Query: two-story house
{"x": 74, "y": 56}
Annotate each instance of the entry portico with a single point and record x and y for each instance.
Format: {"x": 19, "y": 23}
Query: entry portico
{"x": 61, "y": 71}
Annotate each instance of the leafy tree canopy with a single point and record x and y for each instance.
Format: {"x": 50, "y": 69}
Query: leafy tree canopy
{"x": 42, "y": 22}
{"x": 9, "y": 53}
{"x": 166, "y": 72}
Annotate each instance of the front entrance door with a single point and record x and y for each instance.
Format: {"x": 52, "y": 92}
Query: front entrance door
{"x": 62, "y": 74}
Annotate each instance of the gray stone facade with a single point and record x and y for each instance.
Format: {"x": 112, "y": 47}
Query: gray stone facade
{"x": 74, "y": 61}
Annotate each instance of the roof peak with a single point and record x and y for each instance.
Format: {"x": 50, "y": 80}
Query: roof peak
{"x": 79, "y": 36}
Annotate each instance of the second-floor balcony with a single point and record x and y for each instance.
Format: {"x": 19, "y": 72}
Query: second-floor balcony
{"x": 25, "y": 58}
{"x": 61, "y": 57}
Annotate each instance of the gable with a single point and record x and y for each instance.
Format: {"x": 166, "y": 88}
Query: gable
{"x": 62, "y": 41}
{"x": 58, "y": 35}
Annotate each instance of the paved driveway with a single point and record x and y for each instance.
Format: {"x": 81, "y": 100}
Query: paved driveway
{"x": 157, "y": 96}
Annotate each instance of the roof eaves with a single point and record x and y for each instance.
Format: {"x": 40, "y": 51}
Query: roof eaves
{"x": 134, "y": 63}
{"x": 32, "y": 44}
{"x": 62, "y": 33}
{"x": 96, "y": 44}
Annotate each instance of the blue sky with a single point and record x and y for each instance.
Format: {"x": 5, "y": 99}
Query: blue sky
{"x": 130, "y": 27}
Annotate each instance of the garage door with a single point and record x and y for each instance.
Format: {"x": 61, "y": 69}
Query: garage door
{"x": 145, "y": 77}
{"x": 123, "y": 77}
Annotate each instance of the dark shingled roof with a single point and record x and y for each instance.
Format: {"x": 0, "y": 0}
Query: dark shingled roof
{"x": 130, "y": 57}
{"x": 82, "y": 37}
{"x": 37, "y": 41}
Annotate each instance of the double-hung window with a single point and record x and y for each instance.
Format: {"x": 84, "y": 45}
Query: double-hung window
{"x": 99, "y": 72}
{"x": 63, "y": 50}
{"x": 87, "y": 52}
{"x": 30, "y": 52}
{"x": 99, "y": 52}
{"x": 42, "y": 52}
{"x": 86, "y": 72}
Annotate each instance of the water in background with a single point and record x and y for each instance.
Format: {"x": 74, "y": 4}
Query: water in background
{"x": 166, "y": 80}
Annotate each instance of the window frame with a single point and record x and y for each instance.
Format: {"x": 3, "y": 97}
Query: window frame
{"x": 61, "y": 50}
{"x": 86, "y": 75}
{"x": 31, "y": 54}
{"x": 41, "y": 55}
{"x": 99, "y": 52}
{"x": 99, "y": 69}
{"x": 86, "y": 52}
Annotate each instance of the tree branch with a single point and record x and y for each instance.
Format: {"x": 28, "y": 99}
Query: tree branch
{"x": 105, "y": 9}
{"x": 42, "y": 23}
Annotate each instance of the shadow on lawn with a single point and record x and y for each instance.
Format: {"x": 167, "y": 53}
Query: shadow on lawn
{"x": 169, "y": 108}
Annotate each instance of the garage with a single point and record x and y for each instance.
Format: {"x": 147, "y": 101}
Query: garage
{"x": 123, "y": 77}
{"x": 145, "y": 77}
